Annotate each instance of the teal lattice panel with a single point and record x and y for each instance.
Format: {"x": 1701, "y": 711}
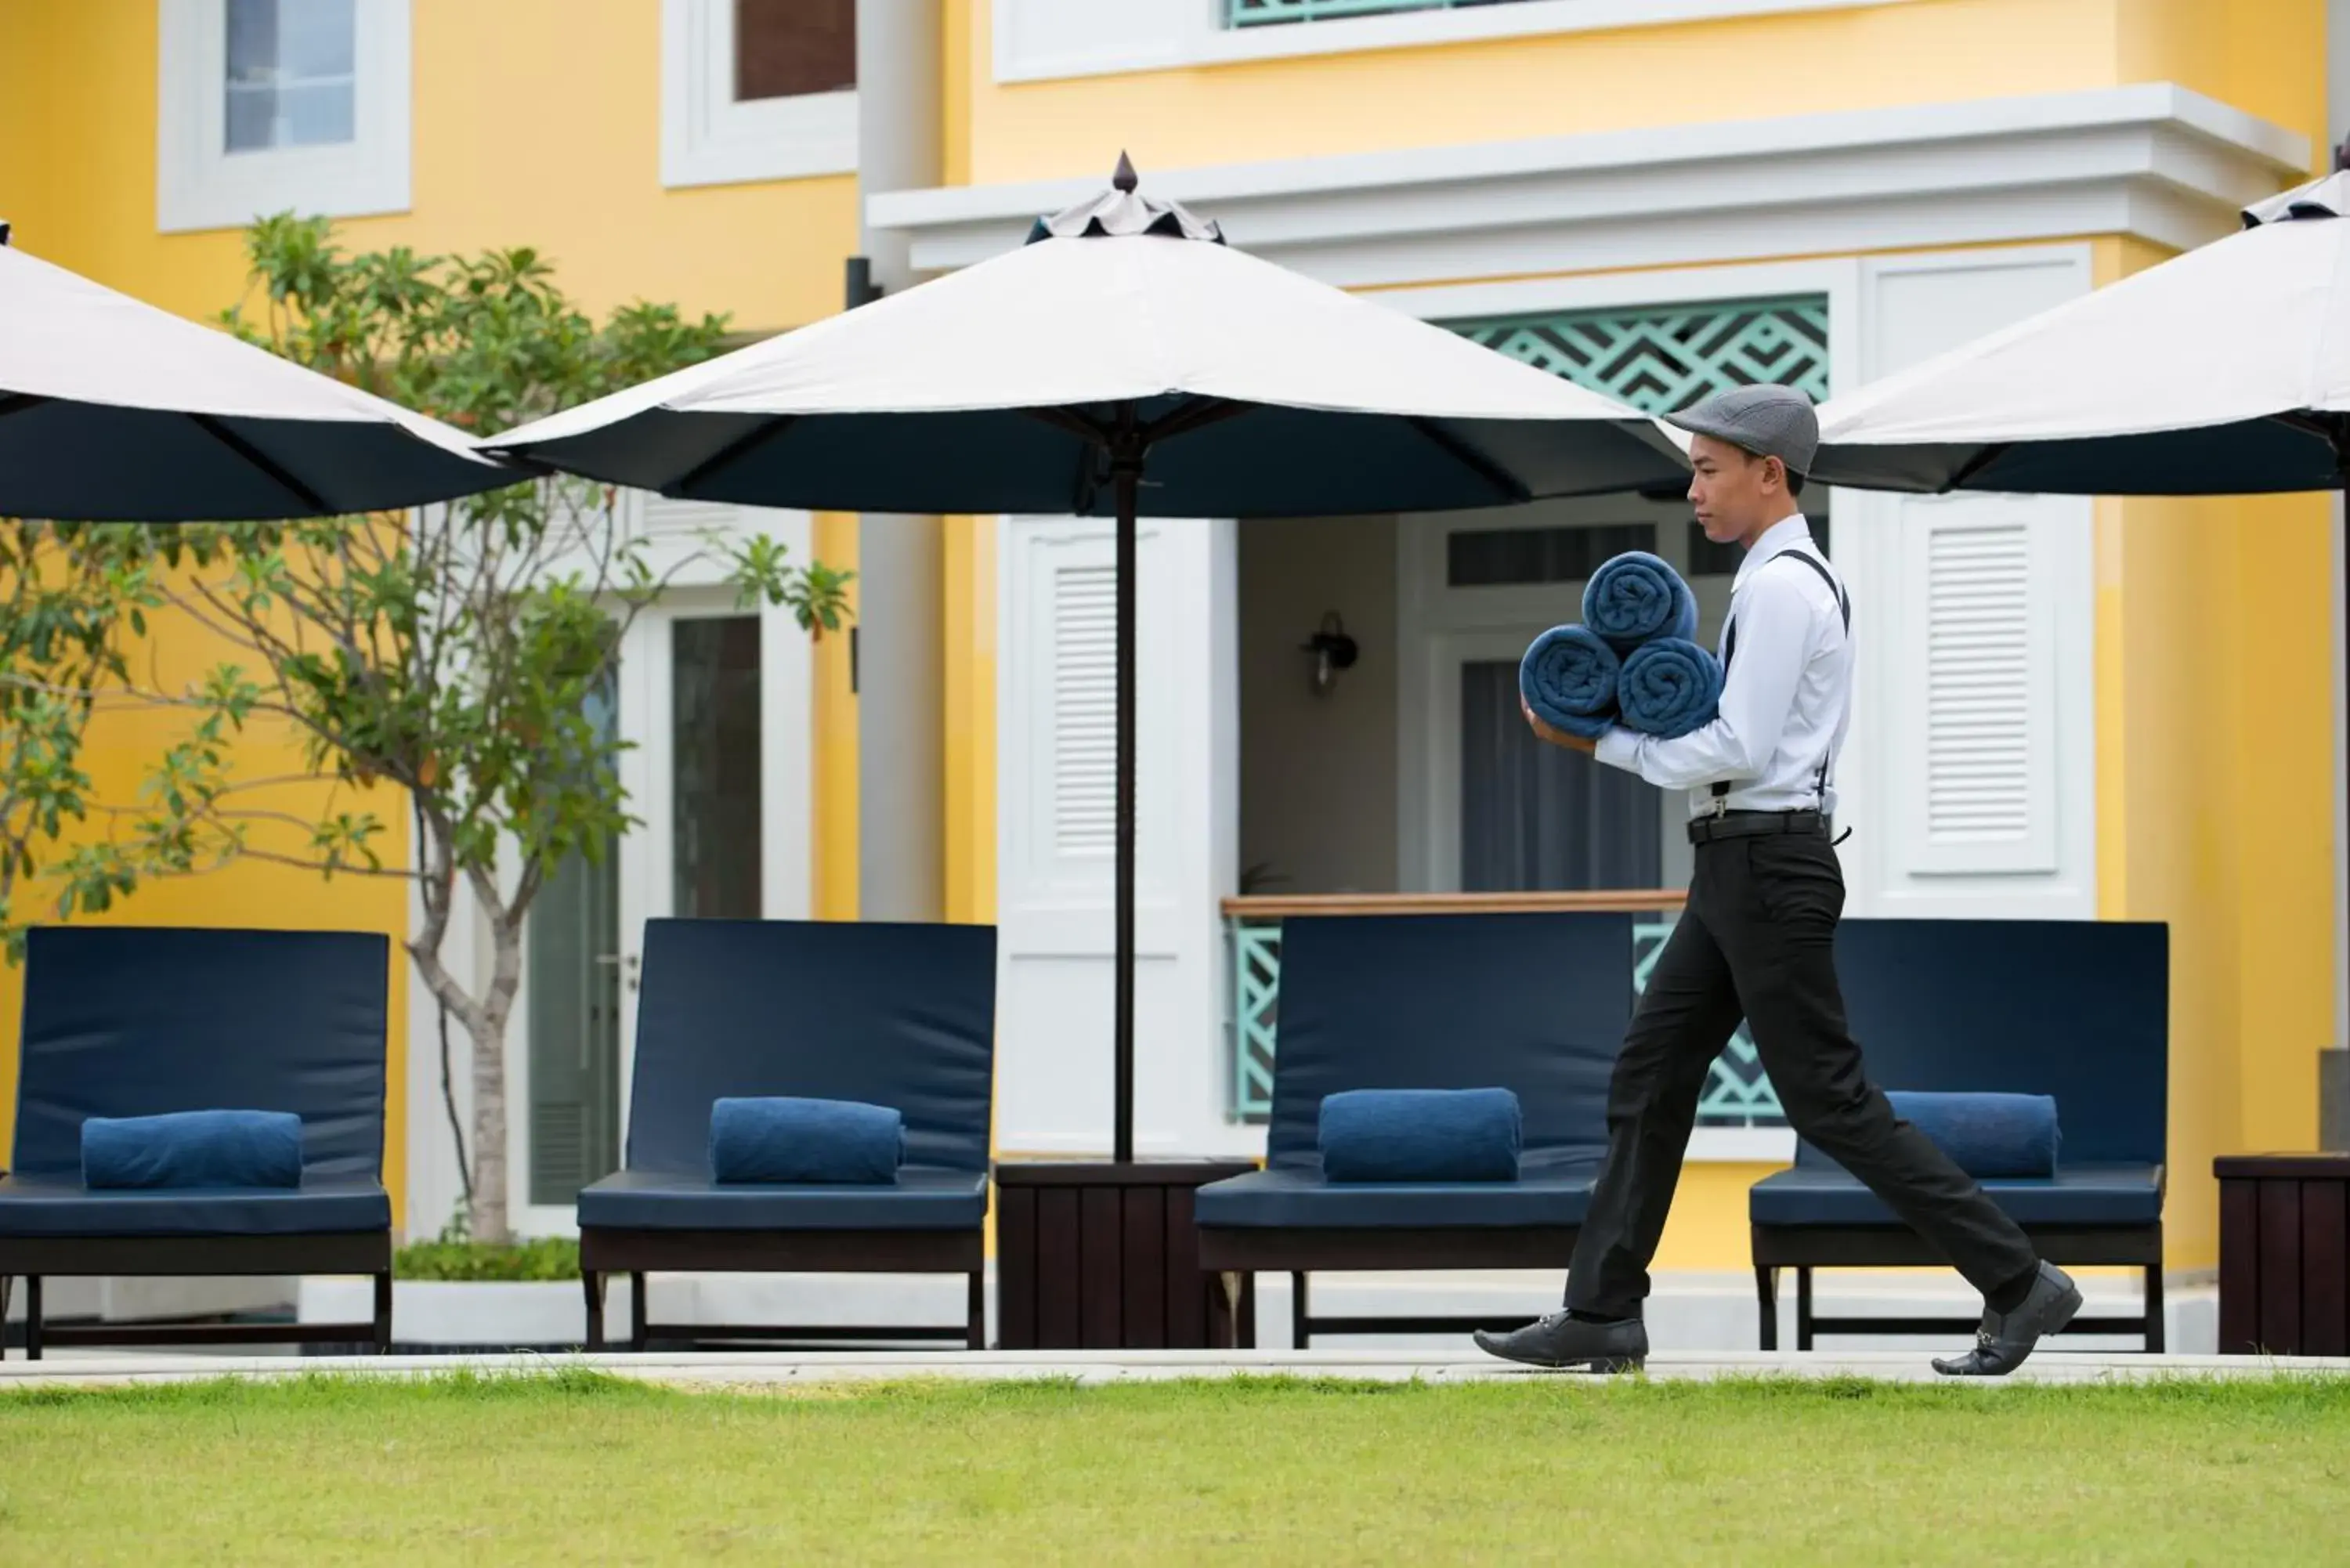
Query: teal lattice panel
{"x": 1256, "y": 1008}
{"x": 1737, "y": 1093}
{"x": 1263, "y": 13}
{"x": 1661, "y": 360}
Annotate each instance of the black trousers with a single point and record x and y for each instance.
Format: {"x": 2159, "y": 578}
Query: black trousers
{"x": 1757, "y": 942}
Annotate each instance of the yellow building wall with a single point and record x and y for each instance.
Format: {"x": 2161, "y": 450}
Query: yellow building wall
{"x": 2264, "y": 56}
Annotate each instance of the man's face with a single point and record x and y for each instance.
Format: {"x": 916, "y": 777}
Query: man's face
{"x": 1732, "y": 490}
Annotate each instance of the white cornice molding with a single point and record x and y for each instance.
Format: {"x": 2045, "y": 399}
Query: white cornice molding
{"x": 2155, "y": 160}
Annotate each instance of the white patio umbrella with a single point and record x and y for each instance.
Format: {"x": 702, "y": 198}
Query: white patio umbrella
{"x": 2223, "y": 372}
{"x": 114, "y": 410}
{"x": 1124, "y": 361}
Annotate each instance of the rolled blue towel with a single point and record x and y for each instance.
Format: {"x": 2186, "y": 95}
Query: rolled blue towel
{"x": 779, "y": 1139}
{"x": 1568, "y": 679}
{"x": 1668, "y": 688}
{"x": 193, "y": 1149}
{"x": 1988, "y": 1135}
{"x": 1635, "y": 597}
{"x": 1421, "y": 1135}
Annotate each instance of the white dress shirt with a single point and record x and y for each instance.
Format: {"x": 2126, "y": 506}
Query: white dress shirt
{"x": 1785, "y": 704}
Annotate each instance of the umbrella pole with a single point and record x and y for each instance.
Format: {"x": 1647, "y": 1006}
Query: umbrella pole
{"x": 1126, "y": 459}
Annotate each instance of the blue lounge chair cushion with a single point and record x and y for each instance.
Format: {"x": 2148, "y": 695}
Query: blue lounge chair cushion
{"x": 924, "y": 1197}
{"x": 193, "y": 1148}
{"x": 2104, "y": 1194}
{"x": 779, "y": 1138}
{"x": 34, "y": 1206}
{"x": 1986, "y": 1135}
{"x": 1297, "y": 1197}
{"x": 1421, "y": 1135}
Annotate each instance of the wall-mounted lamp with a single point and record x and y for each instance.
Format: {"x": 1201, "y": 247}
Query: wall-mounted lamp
{"x": 1333, "y": 650}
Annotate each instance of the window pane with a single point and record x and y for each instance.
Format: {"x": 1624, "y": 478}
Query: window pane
{"x": 315, "y": 38}
{"x": 1495, "y": 557}
{"x": 784, "y": 48}
{"x": 314, "y": 116}
{"x": 715, "y": 750}
{"x": 290, "y": 74}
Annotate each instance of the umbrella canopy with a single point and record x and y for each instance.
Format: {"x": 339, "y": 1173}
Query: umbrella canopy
{"x": 1127, "y": 361}
{"x": 1001, "y": 388}
{"x": 113, "y": 410}
{"x": 2223, "y": 372}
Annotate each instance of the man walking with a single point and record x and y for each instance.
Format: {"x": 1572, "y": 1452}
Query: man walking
{"x": 1757, "y": 938}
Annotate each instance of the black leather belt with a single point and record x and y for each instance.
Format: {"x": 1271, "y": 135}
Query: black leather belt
{"x": 1753, "y": 824}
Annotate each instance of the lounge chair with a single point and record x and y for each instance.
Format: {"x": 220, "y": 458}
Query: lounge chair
{"x": 136, "y": 1021}
{"x": 1534, "y": 1002}
{"x": 2075, "y": 1009}
{"x": 899, "y": 1015}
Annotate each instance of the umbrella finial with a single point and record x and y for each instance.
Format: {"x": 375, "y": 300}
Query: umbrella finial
{"x": 4, "y": 230}
{"x": 2341, "y": 156}
{"x": 1124, "y": 178}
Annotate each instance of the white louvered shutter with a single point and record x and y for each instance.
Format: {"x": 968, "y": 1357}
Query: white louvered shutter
{"x": 1975, "y": 786}
{"x": 1084, "y": 717}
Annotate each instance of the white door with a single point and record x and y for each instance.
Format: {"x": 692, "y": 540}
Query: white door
{"x": 712, "y": 707}
{"x": 1056, "y": 834}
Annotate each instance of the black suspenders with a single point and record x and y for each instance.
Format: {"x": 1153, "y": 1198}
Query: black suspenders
{"x": 1729, "y": 652}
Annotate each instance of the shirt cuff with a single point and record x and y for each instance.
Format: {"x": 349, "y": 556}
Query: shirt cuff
{"x": 1619, "y": 748}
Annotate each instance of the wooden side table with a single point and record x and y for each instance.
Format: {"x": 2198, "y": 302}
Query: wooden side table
{"x": 1094, "y": 1255}
{"x": 2284, "y": 1254}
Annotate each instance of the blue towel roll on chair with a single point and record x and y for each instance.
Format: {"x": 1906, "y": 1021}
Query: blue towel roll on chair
{"x": 1669, "y": 687}
{"x": 192, "y": 1149}
{"x": 1568, "y": 678}
{"x": 1989, "y": 1135}
{"x": 782, "y": 1140}
{"x": 1636, "y": 597}
{"x": 1421, "y": 1135}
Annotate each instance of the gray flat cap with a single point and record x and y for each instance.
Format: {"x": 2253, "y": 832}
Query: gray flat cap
{"x": 1767, "y": 420}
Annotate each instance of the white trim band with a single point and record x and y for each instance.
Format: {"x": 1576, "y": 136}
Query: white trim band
{"x": 2155, "y": 160}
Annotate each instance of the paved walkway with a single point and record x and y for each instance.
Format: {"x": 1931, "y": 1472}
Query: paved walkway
{"x": 741, "y": 1370}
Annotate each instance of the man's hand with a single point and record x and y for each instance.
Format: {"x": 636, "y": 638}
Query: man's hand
{"x": 1557, "y": 737}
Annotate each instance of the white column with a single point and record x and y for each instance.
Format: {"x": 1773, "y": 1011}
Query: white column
{"x": 900, "y": 686}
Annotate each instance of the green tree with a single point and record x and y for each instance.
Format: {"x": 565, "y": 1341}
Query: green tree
{"x": 450, "y": 652}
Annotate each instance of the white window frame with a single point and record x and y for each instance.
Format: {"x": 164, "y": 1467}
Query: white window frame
{"x": 708, "y": 138}
{"x": 201, "y": 185}
{"x": 1048, "y": 40}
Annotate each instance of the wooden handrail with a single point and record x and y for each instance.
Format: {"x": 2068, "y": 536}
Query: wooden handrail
{"x": 1635, "y": 900}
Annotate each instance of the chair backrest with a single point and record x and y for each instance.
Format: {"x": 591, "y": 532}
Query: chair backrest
{"x": 131, "y": 1020}
{"x": 899, "y": 1015}
{"x": 2079, "y": 1010}
{"x": 1537, "y": 1003}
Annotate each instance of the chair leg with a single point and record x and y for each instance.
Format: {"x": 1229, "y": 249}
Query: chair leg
{"x": 592, "y": 1284}
{"x": 1804, "y": 1307}
{"x": 5, "y": 1283}
{"x": 32, "y": 1317}
{"x": 1298, "y": 1336}
{"x": 2157, "y": 1331}
{"x": 1244, "y": 1329}
{"x": 637, "y": 1312}
{"x": 975, "y": 1319}
{"x": 383, "y": 1313}
{"x": 1766, "y": 1307}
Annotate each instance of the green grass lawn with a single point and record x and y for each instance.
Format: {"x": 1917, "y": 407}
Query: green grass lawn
{"x": 582, "y": 1469}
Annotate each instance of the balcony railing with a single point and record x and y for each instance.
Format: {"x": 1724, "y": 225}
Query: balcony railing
{"x": 1737, "y": 1093}
{"x": 1270, "y": 12}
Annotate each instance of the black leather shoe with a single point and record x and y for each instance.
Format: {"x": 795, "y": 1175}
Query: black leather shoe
{"x": 2004, "y": 1340}
{"x": 1560, "y": 1340}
